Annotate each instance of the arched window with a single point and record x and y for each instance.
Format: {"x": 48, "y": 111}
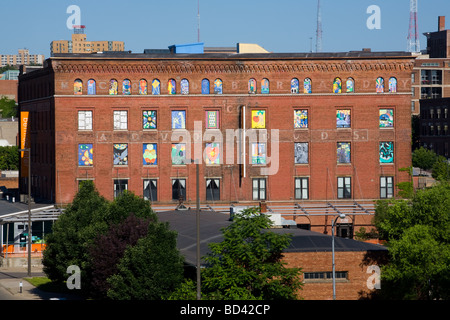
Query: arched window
{"x": 113, "y": 87}
{"x": 294, "y": 85}
{"x": 350, "y": 85}
{"x": 184, "y": 84}
{"x": 156, "y": 87}
{"x": 218, "y": 86}
{"x": 126, "y": 87}
{"x": 171, "y": 86}
{"x": 307, "y": 86}
{"x": 143, "y": 87}
{"x": 78, "y": 87}
{"x": 337, "y": 85}
{"x": 392, "y": 84}
{"x": 252, "y": 86}
{"x": 380, "y": 85}
{"x": 205, "y": 86}
{"x": 91, "y": 89}
{"x": 265, "y": 86}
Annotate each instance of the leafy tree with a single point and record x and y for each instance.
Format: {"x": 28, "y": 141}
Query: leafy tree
{"x": 9, "y": 158}
{"x": 247, "y": 264}
{"x": 441, "y": 169}
{"x": 8, "y": 107}
{"x": 423, "y": 158}
{"x": 84, "y": 220}
{"x": 72, "y": 234}
{"x": 108, "y": 249}
{"x": 149, "y": 270}
{"x": 418, "y": 234}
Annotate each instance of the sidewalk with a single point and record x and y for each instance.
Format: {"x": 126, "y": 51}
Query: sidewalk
{"x": 12, "y": 278}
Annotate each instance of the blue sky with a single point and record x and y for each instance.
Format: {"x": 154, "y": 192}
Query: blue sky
{"x": 278, "y": 26}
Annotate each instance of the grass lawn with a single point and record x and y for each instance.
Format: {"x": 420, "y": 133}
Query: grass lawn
{"x": 45, "y": 284}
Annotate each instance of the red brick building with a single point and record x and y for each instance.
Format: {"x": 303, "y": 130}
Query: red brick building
{"x": 318, "y": 127}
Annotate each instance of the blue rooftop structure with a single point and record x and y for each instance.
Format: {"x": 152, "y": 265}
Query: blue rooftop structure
{"x": 187, "y": 48}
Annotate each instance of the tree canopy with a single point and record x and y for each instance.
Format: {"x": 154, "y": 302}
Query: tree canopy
{"x": 418, "y": 236}
{"x": 247, "y": 264}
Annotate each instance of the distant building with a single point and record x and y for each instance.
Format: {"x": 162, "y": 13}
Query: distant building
{"x": 431, "y": 74}
{"x": 10, "y": 75}
{"x": 434, "y": 125}
{"x": 23, "y": 57}
{"x": 79, "y": 44}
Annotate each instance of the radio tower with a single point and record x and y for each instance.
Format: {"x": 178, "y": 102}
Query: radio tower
{"x": 319, "y": 29}
{"x": 413, "y": 36}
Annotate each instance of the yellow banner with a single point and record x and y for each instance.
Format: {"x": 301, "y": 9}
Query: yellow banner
{"x": 24, "y": 142}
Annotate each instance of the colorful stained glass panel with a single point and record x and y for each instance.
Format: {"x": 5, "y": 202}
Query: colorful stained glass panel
{"x": 294, "y": 85}
{"x": 343, "y": 119}
{"x": 343, "y": 152}
{"x": 252, "y": 86}
{"x": 258, "y": 119}
{"x": 171, "y": 87}
{"x": 258, "y": 153}
{"x": 178, "y": 119}
{"x": 212, "y": 153}
{"x": 184, "y": 86}
{"x": 379, "y": 85}
{"x": 218, "y": 86}
{"x": 337, "y": 85}
{"x": 143, "y": 86}
{"x": 300, "y": 119}
{"x": 307, "y": 86}
{"x": 205, "y": 86}
{"x": 113, "y": 87}
{"x": 78, "y": 87}
{"x": 265, "y": 86}
{"x": 393, "y": 85}
{"x": 149, "y": 119}
{"x": 91, "y": 89}
{"x": 178, "y": 153}
{"x": 212, "y": 119}
{"x": 386, "y": 152}
{"x": 85, "y": 154}
{"x": 301, "y": 152}
{"x": 126, "y": 87}
{"x": 156, "y": 87}
{"x": 120, "y": 154}
{"x": 149, "y": 154}
{"x": 386, "y": 118}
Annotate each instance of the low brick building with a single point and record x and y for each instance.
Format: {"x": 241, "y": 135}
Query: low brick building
{"x": 356, "y": 262}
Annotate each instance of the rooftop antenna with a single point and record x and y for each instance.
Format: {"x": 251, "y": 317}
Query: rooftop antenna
{"x": 319, "y": 28}
{"x": 198, "y": 21}
{"x": 413, "y": 35}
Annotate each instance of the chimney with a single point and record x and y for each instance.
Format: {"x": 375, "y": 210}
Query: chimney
{"x": 441, "y": 23}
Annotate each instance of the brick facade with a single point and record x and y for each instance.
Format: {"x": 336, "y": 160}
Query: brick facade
{"x": 49, "y": 95}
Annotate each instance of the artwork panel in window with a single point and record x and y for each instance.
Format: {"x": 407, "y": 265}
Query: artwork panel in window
{"x": 258, "y": 119}
{"x": 120, "y": 154}
{"x": 149, "y": 119}
{"x": 387, "y": 152}
{"x": 85, "y": 154}
{"x": 212, "y": 153}
{"x": 150, "y": 154}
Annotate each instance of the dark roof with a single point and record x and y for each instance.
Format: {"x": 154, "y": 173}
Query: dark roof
{"x": 211, "y": 223}
{"x": 9, "y": 209}
{"x": 158, "y": 54}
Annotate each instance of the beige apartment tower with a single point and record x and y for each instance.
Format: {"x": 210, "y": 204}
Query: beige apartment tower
{"x": 79, "y": 44}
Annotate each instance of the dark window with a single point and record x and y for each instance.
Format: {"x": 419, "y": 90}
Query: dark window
{"x": 386, "y": 187}
{"x": 259, "y": 189}
{"x": 178, "y": 189}
{"x": 301, "y": 188}
{"x": 119, "y": 187}
{"x": 344, "y": 188}
{"x": 212, "y": 189}
{"x": 151, "y": 189}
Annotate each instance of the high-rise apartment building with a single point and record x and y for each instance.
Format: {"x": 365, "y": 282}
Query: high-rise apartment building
{"x": 23, "y": 57}
{"x": 79, "y": 44}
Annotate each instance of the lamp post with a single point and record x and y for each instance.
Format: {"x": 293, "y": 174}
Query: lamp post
{"x": 333, "y": 222}
{"x": 29, "y": 208}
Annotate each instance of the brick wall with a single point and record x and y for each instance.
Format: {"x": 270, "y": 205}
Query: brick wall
{"x": 355, "y": 263}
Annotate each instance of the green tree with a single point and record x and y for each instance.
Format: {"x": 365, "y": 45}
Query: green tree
{"x": 84, "y": 220}
{"x": 418, "y": 235}
{"x": 149, "y": 270}
{"x": 423, "y": 158}
{"x": 8, "y": 107}
{"x": 9, "y": 158}
{"x": 441, "y": 169}
{"x": 247, "y": 264}
{"x": 72, "y": 234}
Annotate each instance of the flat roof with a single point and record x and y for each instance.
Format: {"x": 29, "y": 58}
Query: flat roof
{"x": 222, "y": 55}
{"x": 211, "y": 223}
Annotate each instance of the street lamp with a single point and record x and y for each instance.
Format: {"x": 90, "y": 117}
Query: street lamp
{"x": 29, "y": 208}
{"x": 342, "y": 216}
